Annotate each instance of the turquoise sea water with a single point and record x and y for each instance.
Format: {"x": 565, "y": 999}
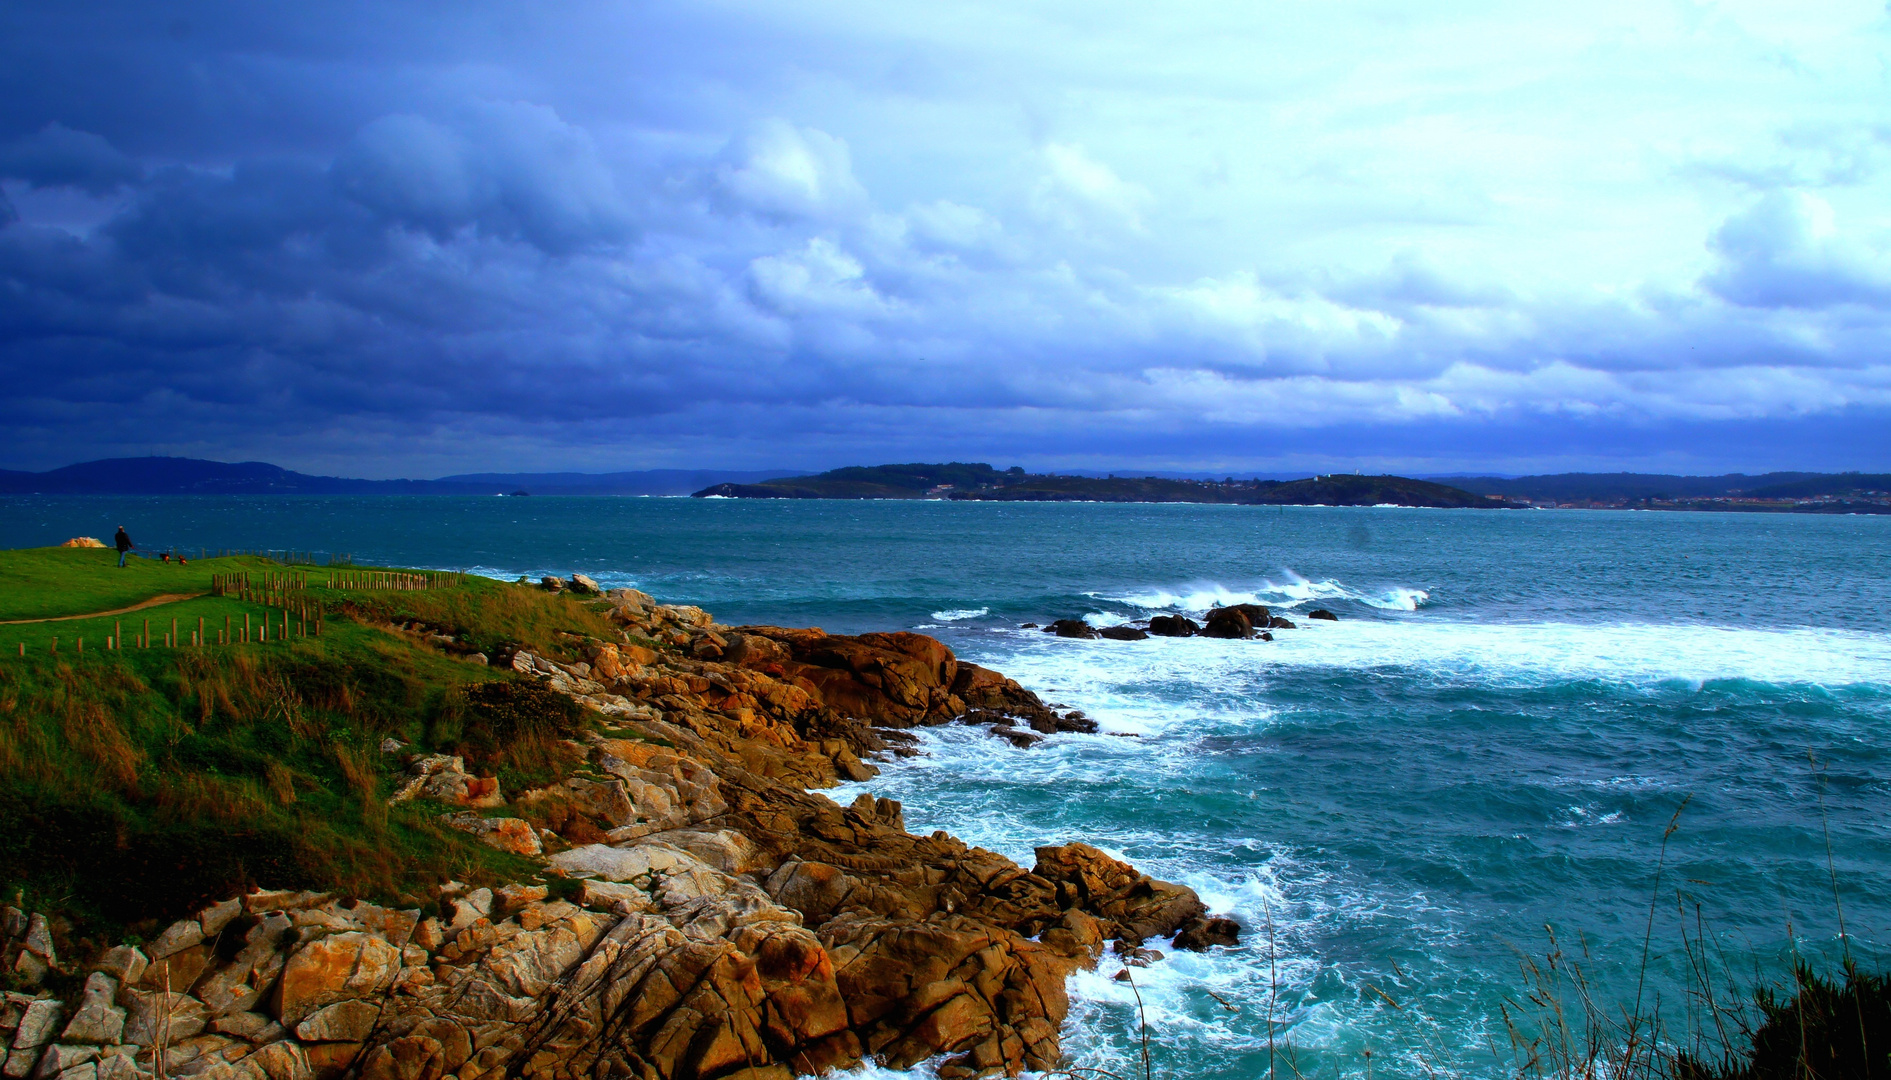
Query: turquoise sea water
{"x": 1486, "y": 749}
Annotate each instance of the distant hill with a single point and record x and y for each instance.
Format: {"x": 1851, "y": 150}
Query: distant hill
{"x": 981, "y": 482}
{"x": 192, "y": 476}
{"x": 1621, "y": 489}
{"x": 1843, "y": 484}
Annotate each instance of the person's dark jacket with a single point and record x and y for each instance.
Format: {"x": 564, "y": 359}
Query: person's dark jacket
{"x": 123, "y": 540}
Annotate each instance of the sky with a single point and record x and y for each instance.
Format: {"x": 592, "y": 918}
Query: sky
{"x": 411, "y": 239}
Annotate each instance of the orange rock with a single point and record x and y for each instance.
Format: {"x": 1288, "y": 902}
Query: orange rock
{"x": 330, "y": 969}
{"x": 413, "y": 1057}
{"x": 331, "y": 1059}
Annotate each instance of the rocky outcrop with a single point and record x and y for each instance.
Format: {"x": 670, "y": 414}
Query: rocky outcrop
{"x": 700, "y": 913}
{"x": 688, "y": 954}
{"x": 1200, "y": 934}
{"x": 1227, "y": 623}
{"x": 83, "y": 542}
{"x": 1173, "y": 626}
{"x": 1235, "y": 621}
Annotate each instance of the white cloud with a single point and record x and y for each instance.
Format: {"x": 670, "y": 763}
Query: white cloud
{"x": 1077, "y": 191}
{"x": 819, "y": 279}
{"x": 779, "y": 169}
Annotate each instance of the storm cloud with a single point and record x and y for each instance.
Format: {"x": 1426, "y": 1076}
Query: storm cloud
{"x": 412, "y": 239}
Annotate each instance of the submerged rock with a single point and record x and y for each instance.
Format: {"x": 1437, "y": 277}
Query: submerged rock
{"x": 1071, "y": 628}
{"x": 1199, "y": 934}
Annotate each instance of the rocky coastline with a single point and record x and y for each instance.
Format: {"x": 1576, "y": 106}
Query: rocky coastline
{"x": 698, "y": 911}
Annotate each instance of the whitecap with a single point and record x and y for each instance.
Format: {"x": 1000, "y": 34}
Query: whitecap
{"x": 1291, "y": 592}
{"x": 958, "y": 614}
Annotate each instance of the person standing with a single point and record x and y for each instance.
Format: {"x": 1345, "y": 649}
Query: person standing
{"x": 123, "y": 541}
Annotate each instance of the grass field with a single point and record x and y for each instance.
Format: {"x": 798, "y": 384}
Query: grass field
{"x": 38, "y": 583}
{"x": 138, "y": 782}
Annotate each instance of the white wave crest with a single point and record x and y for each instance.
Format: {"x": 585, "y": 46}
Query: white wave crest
{"x": 1111, "y": 682}
{"x": 1292, "y": 592}
{"x": 961, "y": 613}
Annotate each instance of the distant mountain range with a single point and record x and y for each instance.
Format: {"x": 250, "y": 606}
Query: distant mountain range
{"x": 191, "y": 476}
{"x": 982, "y": 483}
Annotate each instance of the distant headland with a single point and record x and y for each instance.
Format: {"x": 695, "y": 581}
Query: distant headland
{"x": 982, "y": 483}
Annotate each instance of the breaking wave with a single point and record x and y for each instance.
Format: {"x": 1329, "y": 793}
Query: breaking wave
{"x": 1293, "y": 591}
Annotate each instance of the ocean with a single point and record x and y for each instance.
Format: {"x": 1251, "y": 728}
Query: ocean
{"x": 1604, "y": 735}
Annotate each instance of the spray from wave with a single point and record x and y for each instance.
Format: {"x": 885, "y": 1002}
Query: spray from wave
{"x": 1292, "y": 592}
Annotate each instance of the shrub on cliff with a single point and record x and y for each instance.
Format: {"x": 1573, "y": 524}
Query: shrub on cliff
{"x": 1823, "y": 1029}
{"x": 511, "y": 710}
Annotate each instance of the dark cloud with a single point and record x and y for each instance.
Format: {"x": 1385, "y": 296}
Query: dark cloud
{"x": 57, "y": 156}
{"x": 1786, "y": 251}
{"x": 510, "y": 171}
{"x": 403, "y": 238}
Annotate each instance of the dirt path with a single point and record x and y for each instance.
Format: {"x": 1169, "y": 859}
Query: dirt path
{"x": 167, "y": 598}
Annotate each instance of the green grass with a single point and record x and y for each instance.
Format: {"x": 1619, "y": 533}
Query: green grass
{"x": 136, "y": 784}
{"x": 37, "y": 583}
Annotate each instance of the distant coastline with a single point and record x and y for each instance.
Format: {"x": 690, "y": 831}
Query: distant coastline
{"x": 962, "y": 482}
{"x": 1775, "y": 493}
{"x": 1778, "y": 492}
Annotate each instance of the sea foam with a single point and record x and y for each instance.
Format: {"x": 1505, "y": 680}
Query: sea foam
{"x": 1291, "y": 592}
